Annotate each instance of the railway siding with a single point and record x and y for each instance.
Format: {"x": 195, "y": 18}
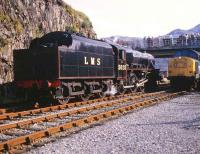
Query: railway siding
{"x": 93, "y": 116}
{"x": 60, "y": 107}
{"x": 49, "y": 116}
{"x": 169, "y": 127}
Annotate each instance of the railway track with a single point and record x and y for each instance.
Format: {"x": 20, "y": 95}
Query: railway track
{"x": 28, "y": 127}
{"x": 21, "y": 105}
{"x": 12, "y": 115}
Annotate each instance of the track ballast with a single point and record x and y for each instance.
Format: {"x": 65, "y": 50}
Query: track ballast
{"x": 29, "y": 127}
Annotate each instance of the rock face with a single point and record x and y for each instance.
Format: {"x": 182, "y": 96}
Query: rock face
{"x": 23, "y": 20}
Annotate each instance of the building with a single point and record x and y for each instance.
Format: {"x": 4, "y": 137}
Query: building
{"x": 167, "y": 41}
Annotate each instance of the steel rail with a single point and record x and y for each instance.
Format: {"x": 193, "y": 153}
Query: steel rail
{"x": 61, "y": 107}
{"x": 45, "y": 118}
{"x": 30, "y": 138}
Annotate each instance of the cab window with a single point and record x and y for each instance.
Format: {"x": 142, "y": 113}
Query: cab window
{"x": 122, "y": 54}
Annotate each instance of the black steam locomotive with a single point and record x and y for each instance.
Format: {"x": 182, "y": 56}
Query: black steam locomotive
{"x": 64, "y": 65}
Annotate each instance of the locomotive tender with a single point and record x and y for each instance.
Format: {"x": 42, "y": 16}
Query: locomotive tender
{"x": 184, "y": 70}
{"x": 65, "y": 65}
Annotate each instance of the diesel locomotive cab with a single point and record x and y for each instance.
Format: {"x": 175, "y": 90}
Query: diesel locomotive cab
{"x": 184, "y": 71}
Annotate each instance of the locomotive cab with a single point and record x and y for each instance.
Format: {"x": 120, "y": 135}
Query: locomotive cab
{"x": 184, "y": 70}
{"x": 122, "y": 71}
{"x": 119, "y": 61}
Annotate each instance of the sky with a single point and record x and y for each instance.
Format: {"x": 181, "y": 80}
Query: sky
{"x": 139, "y": 18}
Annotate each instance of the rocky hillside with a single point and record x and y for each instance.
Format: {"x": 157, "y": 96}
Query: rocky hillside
{"x": 23, "y": 20}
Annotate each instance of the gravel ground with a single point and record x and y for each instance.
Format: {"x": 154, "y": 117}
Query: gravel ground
{"x": 169, "y": 127}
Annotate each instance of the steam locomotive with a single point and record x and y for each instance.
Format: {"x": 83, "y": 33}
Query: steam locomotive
{"x": 63, "y": 65}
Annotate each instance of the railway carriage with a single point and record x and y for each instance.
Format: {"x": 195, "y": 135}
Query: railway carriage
{"x": 64, "y": 66}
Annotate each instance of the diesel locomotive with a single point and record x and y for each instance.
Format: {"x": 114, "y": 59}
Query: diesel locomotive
{"x": 63, "y": 65}
{"x": 184, "y": 70}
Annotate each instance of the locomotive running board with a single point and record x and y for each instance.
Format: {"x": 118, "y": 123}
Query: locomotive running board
{"x": 141, "y": 83}
{"x": 137, "y": 85}
{"x": 126, "y": 87}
